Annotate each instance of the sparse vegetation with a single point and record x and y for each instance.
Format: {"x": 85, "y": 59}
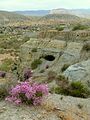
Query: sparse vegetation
{"x": 79, "y": 27}
{"x": 34, "y": 50}
{"x": 35, "y": 63}
{"x": 65, "y": 66}
{"x": 86, "y": 46}
{"x": 59, "y": 28}
{"x": 51, "y": 76}
{"x": 6, "y": 65}
{"x": 57, "y": 90}
{"x": 75, "y": 89}
{"x": 80, "y": 106}
{"x": 3, "y": 93}
{"x": 14, "y": 35}
{"x": 61, "y": 78}
{"x": 79, "y": 90}
{"x": 42, "y": 71}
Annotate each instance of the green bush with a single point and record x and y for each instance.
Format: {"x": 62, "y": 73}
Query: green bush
{"x": 59, "y": 28}
{"x": 6, "y": 65}
{"x": 35, "y": 63}
{"x": 79, "y": 27}
{"x": 3, "y": 93}
{"x": 65, "y": 66}
{"x": 42, "y": 71}
{"x": 75, "y": 89}
{"x": 57, "y": 90}
{"x": 78, "y": 90}
{"x": 34, "y": 50}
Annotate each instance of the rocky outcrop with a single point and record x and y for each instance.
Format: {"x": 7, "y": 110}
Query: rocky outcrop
{"x": 79, "y": 71}
{"x": 79, "y": 35}
{"x": 63, "y": 52}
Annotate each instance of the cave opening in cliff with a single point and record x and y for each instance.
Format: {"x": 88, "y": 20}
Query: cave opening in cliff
{"x": 49, "y": 57}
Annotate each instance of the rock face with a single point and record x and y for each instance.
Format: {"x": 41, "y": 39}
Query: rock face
{"x": 72, "y": 53}
{"x": 45, "y": 49}
{"x": 66, "y": 35}
{"x": 64, "y": 53}
{"x": 79, "y": 71}
{"x": 57, "y": 56}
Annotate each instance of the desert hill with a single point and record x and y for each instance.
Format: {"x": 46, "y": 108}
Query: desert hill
{"x": 6, "y": 17}
{"x": 60, "y": 16}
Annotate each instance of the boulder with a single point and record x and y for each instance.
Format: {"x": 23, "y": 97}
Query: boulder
{"x": 79, "y": 72}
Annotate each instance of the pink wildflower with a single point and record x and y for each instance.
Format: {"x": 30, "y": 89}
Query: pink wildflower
{"x": 27, "y": 92}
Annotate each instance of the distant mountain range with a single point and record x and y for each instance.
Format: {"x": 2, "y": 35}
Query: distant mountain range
{"x": 34, "y": 12}
{"x": 55, "y": 14}
{"x": 78, "y": 12}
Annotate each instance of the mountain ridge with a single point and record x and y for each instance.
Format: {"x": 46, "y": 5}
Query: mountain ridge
{"x": 6, "y": 17}
{"x": 85, "y": 13}
{"x": 34, "y": 12}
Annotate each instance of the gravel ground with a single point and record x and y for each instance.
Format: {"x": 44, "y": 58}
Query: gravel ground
{"x": 54, "y": 107}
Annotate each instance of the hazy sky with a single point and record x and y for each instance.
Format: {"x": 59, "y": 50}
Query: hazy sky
{"x": 42, "y": 4}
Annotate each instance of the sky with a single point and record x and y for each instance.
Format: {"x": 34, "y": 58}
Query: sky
{"x": 14, "y": 5}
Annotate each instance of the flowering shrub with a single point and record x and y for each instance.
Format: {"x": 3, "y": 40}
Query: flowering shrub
{"x": 27, "y": 92}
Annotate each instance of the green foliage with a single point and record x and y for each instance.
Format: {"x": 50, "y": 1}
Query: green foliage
{"x": 3, "y": 93}
{"x": 78, "y": 90}
{"x": 34, "y": 50}
{"x": 26, "y": 38}
{"x": 75, "y": 89}
{"x": 59, "y": 28}
{"x": 3, "y": 88}
{"x": 65, "y": 66}
{"x": 79, "y": 27}
{"x": 42, "y": 71}
{"x": 6, "y": 65}
{"x": 61, "y": 78}
{"x": 86, "y": 46}
{"x": 77, "y": 85}
{"x": 35, "y": 63}
{"x": 57, "y": 90}
{"x": 12, "y": 42}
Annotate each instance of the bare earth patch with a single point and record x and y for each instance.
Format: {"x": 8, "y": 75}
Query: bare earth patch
{"x": 4, "y": 56}
{"x": 54, "y": 107}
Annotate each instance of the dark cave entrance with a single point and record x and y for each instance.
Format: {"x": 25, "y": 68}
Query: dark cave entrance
{"x": 49, "y": 57}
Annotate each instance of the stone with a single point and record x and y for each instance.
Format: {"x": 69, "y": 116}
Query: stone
{"x": 79, "y": 72}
